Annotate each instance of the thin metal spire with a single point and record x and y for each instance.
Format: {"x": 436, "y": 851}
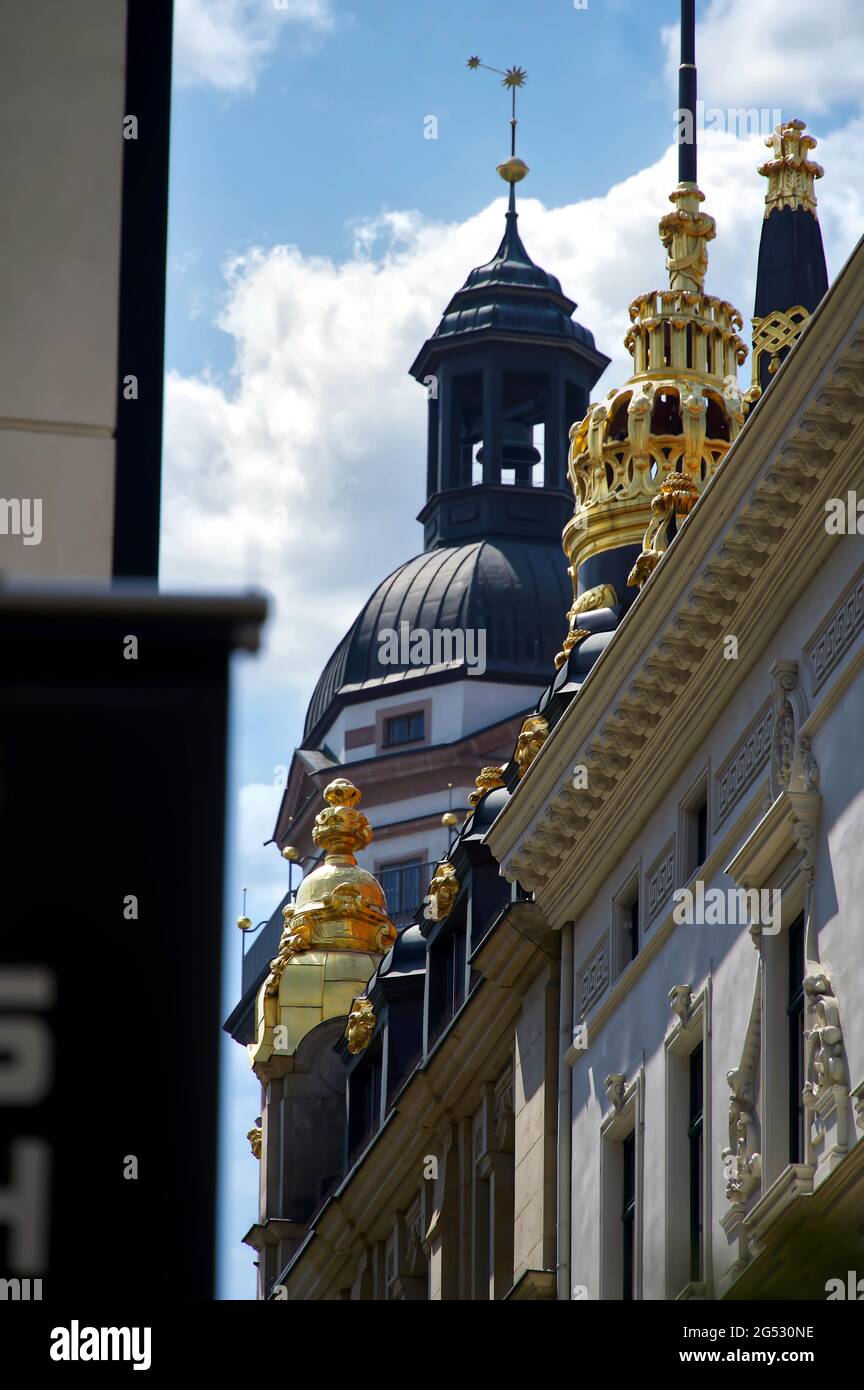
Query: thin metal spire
{"x": 687, "y": 151}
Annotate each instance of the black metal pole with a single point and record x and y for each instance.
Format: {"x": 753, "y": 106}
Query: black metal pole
{"x": 687, "y": 92}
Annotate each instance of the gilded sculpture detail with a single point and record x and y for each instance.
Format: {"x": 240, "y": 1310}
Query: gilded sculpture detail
{"x": 532, "y": 736}
{"x": 443, "y": 891}
{"x": 488, "y": 779}
{"x": 601, "y": 596}
{"x": 360, "y": 1025}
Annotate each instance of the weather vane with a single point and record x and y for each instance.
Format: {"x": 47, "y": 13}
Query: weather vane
{"x": 514, "y": 169}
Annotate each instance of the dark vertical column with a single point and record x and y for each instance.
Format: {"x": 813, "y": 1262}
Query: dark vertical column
{"x": 687, "y": 89}
{"x": 141, "y": 327}
{"x": 449, "y": 402}
{"x": 433, "y": 470}
{"x": 493, "y": 409}
{"x": 554, "y": 451}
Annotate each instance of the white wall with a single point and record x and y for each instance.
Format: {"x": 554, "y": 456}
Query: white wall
{"x": 635, "y": 1033}
{"x": 459, "y": 708}
{"x": 62, "y": 79}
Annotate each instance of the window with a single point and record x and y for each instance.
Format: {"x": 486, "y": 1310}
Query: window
{"x": 795, "y": 1012}
{"x": 696, "y": 1139}
{"x": 364, "y": 1099}
{"x": 446, "y": 976}
{"x": 402, "y": 887}
{"x": 688, "y": 1146}
{"x": 404, "y": 728}
{"x": 626, "y": 922}
{"x": 632, "y": 927}
{"x": 628, "y": 1217}
{"x": 700, "y": 817}
{"x": 694, "y": 828}
{"x": 621, "y": 1178}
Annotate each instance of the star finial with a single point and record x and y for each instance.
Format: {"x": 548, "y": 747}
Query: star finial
{"x": 513, "y": 78}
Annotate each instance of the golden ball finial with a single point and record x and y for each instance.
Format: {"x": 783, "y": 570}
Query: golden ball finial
{"x": 291, "y": 853}
{"x": 244, "y": 923}
{"x": 449, "y": 819}
{"x": 513, "y": 170}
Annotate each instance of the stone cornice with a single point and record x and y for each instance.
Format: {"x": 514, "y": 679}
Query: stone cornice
{"x": 749, "y": 548}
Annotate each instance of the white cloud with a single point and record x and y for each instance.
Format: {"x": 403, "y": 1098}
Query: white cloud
{"x": 764, "y": 53}
{"x": 305, "y": 472}
{"x": 223, "y": 43}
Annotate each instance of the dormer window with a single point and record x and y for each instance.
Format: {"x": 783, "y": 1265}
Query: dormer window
{"x": 404, "y": 728}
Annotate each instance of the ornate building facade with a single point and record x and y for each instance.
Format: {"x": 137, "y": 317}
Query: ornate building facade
{"x": 618, "y": 1051}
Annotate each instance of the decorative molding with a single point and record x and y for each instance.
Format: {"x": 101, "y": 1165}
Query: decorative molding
{"x": 795, "y": 1181}
{"x": 742, "y": 1163}
{"x": 615, "y": 1086}
{"x": 826, "y": 1089}
{"x": 793, "y": 767}
{"x": 681, "y": 1002}
{"x": 593, "y": 976}
{"x": 743, "y": 765}
{"x": 660, "y": 880}
{"x": 789, "y": 825}
{"x": 837, "y": 632}
{"x": 503, "y": 1113}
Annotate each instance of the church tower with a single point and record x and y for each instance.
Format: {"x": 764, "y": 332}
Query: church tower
{"x": 506, "y": 368}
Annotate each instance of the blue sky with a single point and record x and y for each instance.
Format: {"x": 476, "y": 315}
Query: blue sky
{"x": 334, "y": 128}
{"x": 315, "y": 237}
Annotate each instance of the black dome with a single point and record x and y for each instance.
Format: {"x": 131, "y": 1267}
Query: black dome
{"x": 509, "y": 294}
{"x": 517, "y": 591}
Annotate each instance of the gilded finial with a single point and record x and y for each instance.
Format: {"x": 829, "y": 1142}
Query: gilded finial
{"x": 340, "y": 828}
{"x": 254, "y": 1137}
{"x": 791, "y": 175}
{"x": 336, "y": 932}
{"x": 339, "y": 905}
